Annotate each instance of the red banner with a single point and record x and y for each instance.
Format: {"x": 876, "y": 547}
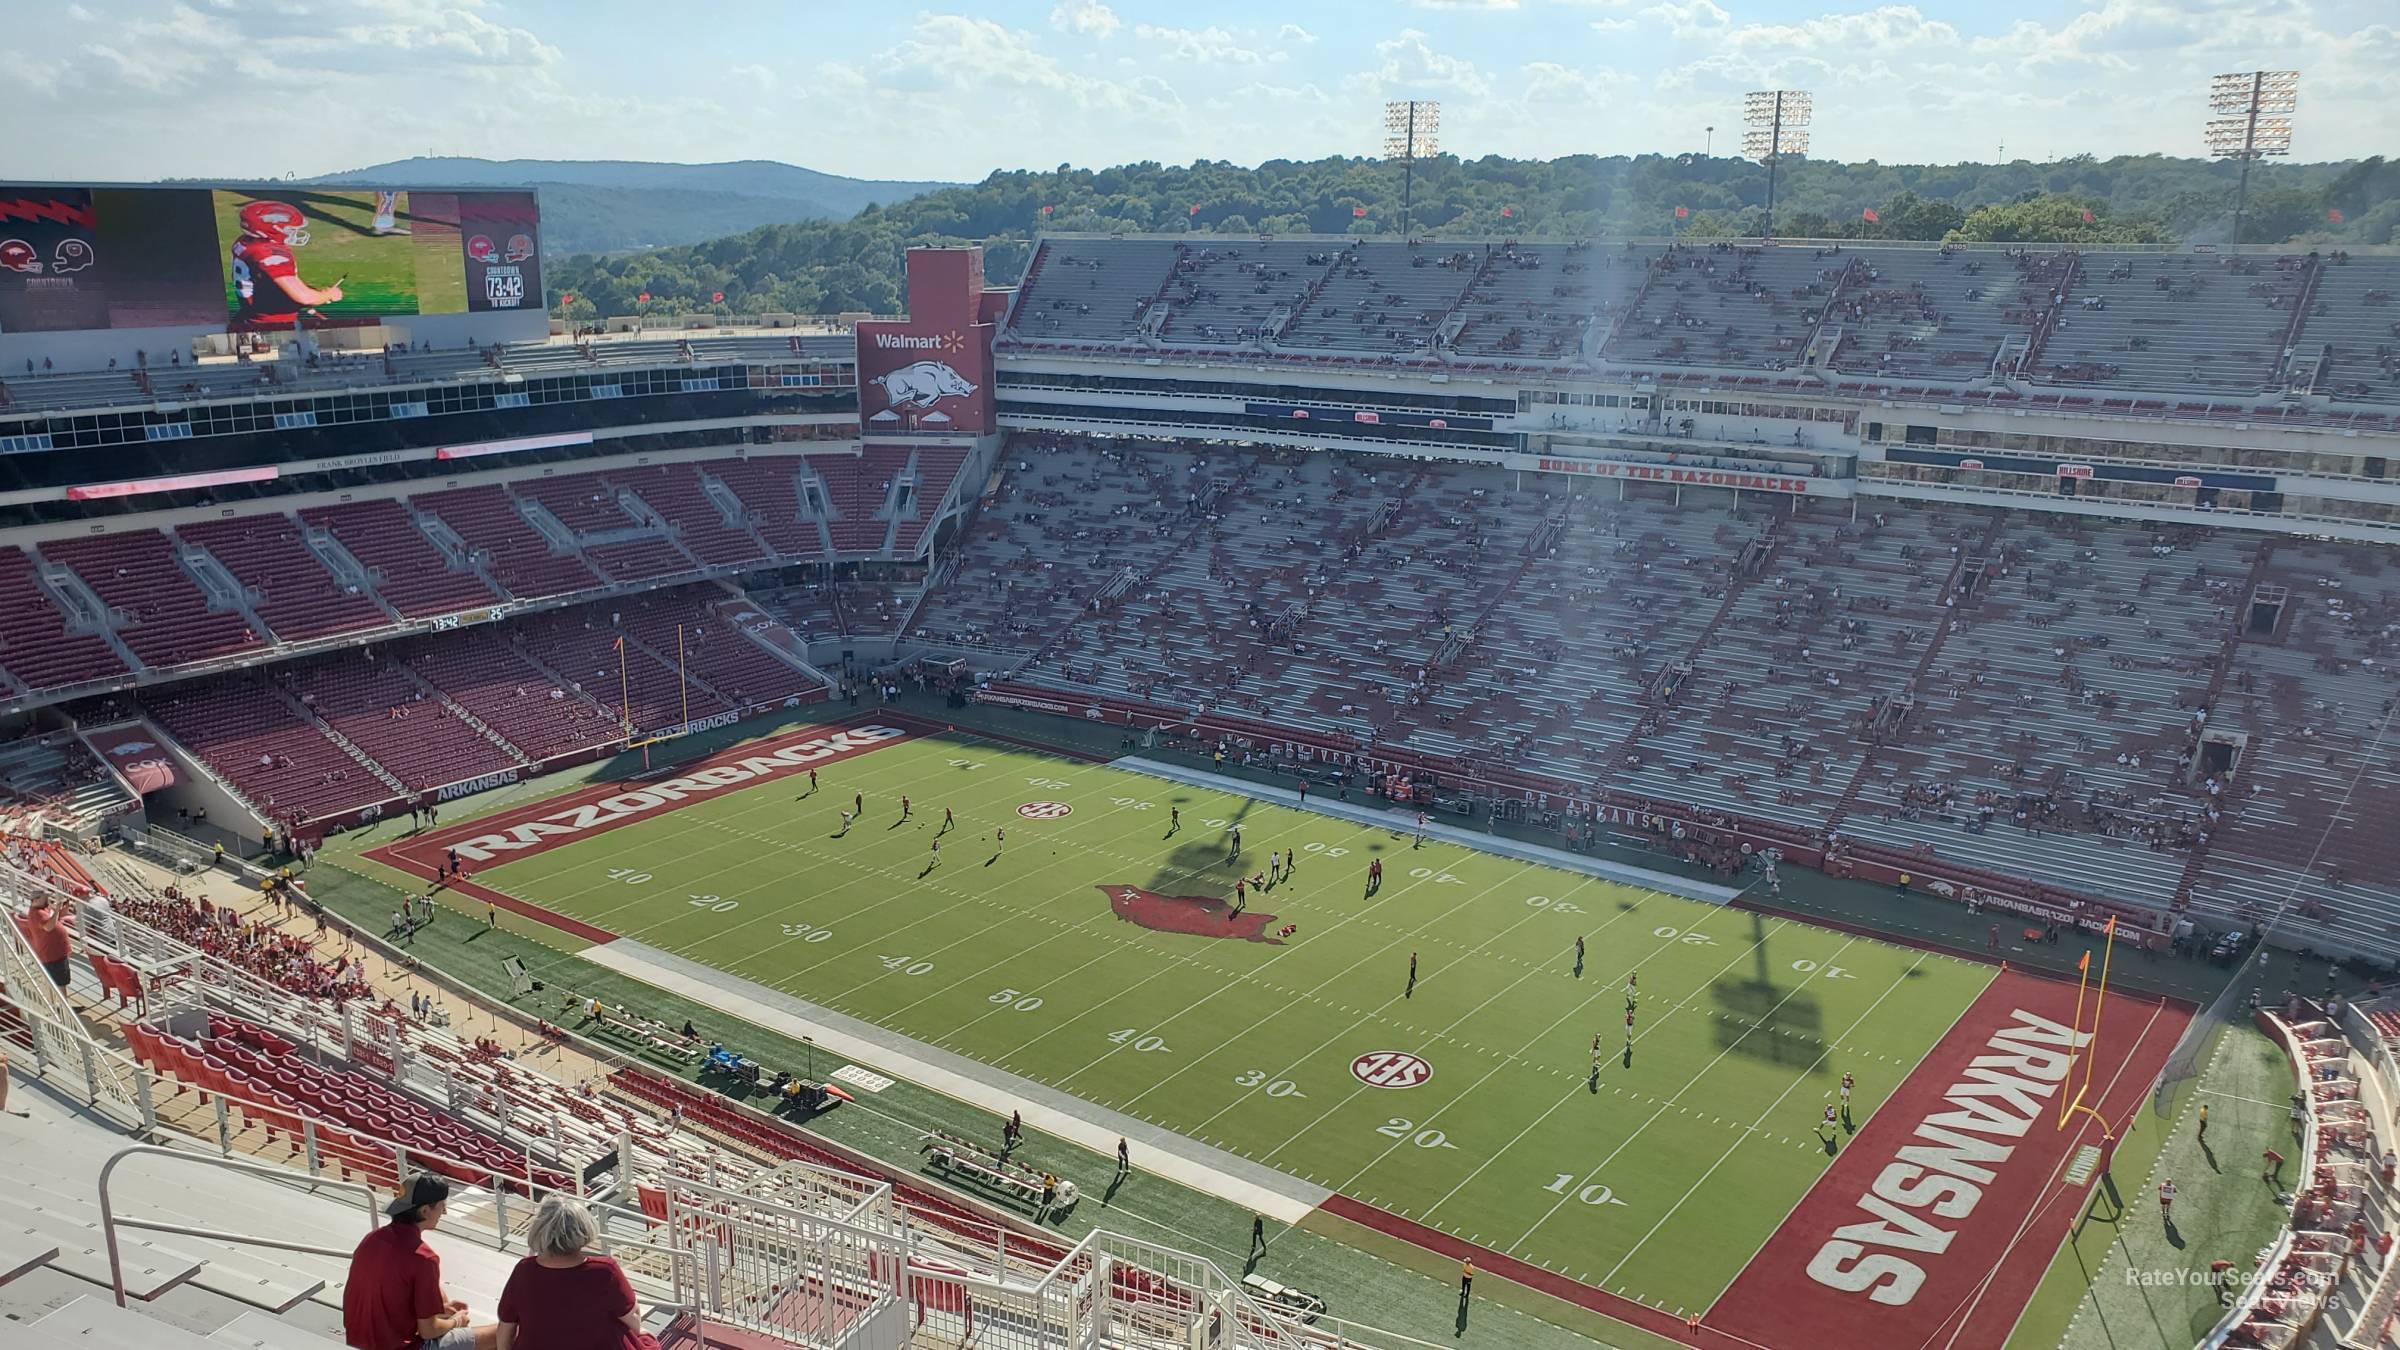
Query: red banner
{"x": 137, "y": 753}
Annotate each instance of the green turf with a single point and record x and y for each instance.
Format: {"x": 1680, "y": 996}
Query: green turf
{"x": 1657, "y": 1178}
{"x": 379, "y": 274}
{"x": 2223, "y": 1210}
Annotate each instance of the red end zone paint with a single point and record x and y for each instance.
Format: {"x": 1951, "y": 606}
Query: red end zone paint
{"x": 1939, "y": 1218}
{"x": 553, "y": 822}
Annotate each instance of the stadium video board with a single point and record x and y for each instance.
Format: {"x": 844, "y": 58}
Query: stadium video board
{"x": 260, "y": 259}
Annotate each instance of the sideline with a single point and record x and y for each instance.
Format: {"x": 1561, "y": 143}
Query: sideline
{"x": 1395, "y": 819}
{"x": 1158, "y": 1150}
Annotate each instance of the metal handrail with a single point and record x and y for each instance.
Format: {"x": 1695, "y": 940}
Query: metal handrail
{"x": 110, "y": 1223}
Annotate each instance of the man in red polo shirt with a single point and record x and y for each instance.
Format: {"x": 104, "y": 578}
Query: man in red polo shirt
{"x": 395, "y": 1299}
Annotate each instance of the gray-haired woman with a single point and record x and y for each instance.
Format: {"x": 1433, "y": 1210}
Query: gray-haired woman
{"x": 559, "y": 1298}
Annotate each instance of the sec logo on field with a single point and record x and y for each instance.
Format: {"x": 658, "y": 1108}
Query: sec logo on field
{"x": 1044, "y": 810}
{"x": 1390, "y": 1069}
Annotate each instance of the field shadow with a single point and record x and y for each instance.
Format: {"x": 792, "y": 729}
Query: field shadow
{"x": 1760, "y": 1020}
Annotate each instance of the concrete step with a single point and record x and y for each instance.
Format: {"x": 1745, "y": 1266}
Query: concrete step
{"x": 258, "y": 1277}
{"x": 149, "y": 1270}
{"x": 21, "y": 1254}
{"x": 256, "y": 1331}
{"x": 95, "y": 1323}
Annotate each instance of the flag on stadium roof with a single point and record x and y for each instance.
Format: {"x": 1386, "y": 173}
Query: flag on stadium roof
{"x": 1869, "y": 216}
{"x": 2333, "y": 215}
{"x": 2087, "y": 215}
{"x": 1683, "y": 213}
{"x": 1358, "y": 211}
{"x": 566, "y": 297}
{"x": 1045, "y": 210}
{"x": 1507, "y": 211}
{"x": 644, "y": 297}
{"x": 1195, "y": 208}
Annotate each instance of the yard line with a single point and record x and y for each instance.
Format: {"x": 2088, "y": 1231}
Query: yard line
{"x": 1021, "y": 953}
{"x": 1503, "y": 1151}
{"x": 1397, "y": 892}
{"x": 1601, "y": 989}
{"x": 1311, "y": 993}
{"x": 1797, "y": 1080}
{"x": 1357, "y": 1088}
{"x": 1662, "y": 1109}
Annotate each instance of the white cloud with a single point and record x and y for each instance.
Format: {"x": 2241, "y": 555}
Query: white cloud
{"x": 1200, "y": 46}
{"x": 1613, "y": 25}
{"x": 1087, "y": 17}
{"x": 1292, "y": 32}
{"x": 1408, "y": 64}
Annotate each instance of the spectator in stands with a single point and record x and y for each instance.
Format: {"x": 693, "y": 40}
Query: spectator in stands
{"x": 395, "y": 1299}
{"x": 47, "y": 935}
{"x": 559, "y": 1298}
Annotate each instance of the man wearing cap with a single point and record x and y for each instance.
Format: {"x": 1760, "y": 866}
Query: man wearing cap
{"x": 395, "y": 1299}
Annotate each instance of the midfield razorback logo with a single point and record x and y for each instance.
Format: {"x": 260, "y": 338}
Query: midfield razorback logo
{"x": 639, "y": 803}
{"x": 1197, "y": 915}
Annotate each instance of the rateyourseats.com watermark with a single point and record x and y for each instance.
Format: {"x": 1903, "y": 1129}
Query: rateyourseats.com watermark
{"x": 2170, "y": 1277}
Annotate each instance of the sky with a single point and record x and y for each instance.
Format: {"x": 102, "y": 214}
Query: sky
{"x": 127, "y": 90}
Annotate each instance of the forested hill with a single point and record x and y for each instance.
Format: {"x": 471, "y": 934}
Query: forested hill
{"x": 828, "y": 266}
{"x": 607, "y": 205}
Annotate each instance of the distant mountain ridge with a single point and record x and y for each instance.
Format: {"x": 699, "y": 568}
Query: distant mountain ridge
{"x": 611, "y": 205}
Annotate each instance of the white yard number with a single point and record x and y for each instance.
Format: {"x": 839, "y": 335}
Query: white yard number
{"x": 1688, "y": 939}
{"x": 1148, "y": 1045}
{"x": 1014, "y": 1001}
{"x": 806, "y": 933}
{"x": 1279, "y": 1087}
{"x": 1807, "y": 967}
{"x": 1554, "y": 906}
{"x": 903, "y": 965}
{"x": 1437, "y": 878}
{"x": 1055, "y": 784}
{"x": 1130, "y": 803}
{"x": 715, "y": 904}
{"x": 1396, "y": 1128}
{"x": 627, "y": 875}
{"x": 1594, "y": 1194}
{"x": 1216, "y": 822}
{"x": 966, "y": 764}
{"x": 1328, "y": 850}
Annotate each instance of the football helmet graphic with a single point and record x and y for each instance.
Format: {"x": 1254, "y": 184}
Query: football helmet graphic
{"x": 279, "y": 221}
{"x": 520, "y": 247}
{"x": 71, "y": 255}
{"x": 18, "y": 256}
{"x": 479, "y": 248}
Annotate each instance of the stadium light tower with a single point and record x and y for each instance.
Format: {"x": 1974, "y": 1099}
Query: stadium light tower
{"x": 2255, "y": 121}
{"x": 1411, "y": 128}
{"x": 1778, "y": 125}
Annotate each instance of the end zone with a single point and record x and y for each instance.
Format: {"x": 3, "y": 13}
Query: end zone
{"x": 553, "y": 822}
{"x": 1939, "y": 1218}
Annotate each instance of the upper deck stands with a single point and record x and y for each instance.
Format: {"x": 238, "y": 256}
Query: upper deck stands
{"x": 2175, "y": 322}
{"x": 168, "y": 619}
{"x": 1940, "y": 315}
{"x": 2355, "y": 311}
{"x": 409, "y": 573}
{"x": 1728, "y": 306}
{"x": 1383, "y": 297}
{"x": 1228, "y": 293}
{"x": 1077, "y": 293}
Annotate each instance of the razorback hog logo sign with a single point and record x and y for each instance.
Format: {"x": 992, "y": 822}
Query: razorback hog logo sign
{"x": 1919, "y": 1201}
{"x": 1197, "y": 915}
{"x": 638, "y": 803}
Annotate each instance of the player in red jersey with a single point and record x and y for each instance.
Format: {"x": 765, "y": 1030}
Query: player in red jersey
{"x": 266, "y": 274}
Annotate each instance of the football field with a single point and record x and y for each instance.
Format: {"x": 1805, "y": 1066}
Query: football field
{"x": 1075, "y": 927}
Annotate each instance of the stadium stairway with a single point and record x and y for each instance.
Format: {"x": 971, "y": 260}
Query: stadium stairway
{"x": 205, "y": 1280}
{"x": 308, "y": 715}
{"x": 463, "y": 713}
{"x": 1982, "y": 549}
